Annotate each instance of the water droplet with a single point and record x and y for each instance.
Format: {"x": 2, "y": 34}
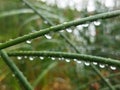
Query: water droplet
{"x": 79, "y": 27}
{"x": 85, "y": 25}
{"x": 95, "y": 63}
{"x": 112, "y": 67}
{"x": 46, "y": 22}
{"x": 31, "y": 58}
{"x": 78, "y": 61}
{"x": 59, "y": 58}
{"x": 87, "y": 63}
{"x": 61, "y": 31}
{"x": 75, "y": 60}
{"x": 41, "y": 58}
{"x": 28, "y": 41}
{"x": 52, "y": 58}
{"x": 102, "y": 66}
{"x": 19, "y": 57}
{"x": 97, "y": 23}
{"x": 67, "y": 60}
{"x": 69, "y": 30}
{"x": 48, "y": 36}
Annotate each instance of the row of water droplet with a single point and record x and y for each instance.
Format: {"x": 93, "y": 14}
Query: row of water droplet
{"x": 69, "y": 30}
{"x": 47, "y": 36}
{"x": 31, "y": 58}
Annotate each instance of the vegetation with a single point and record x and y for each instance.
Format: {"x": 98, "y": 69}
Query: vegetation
{"x": 48, "y": 47}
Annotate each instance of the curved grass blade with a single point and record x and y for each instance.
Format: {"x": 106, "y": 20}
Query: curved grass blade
{"x": 82, "y": 57}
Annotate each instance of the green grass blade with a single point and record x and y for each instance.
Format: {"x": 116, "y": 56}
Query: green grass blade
{"x": 42, "y": 74}
{"x": 82, "y": 57}
{"x": 16, "y": 71}
{"x": 59, "y": 27}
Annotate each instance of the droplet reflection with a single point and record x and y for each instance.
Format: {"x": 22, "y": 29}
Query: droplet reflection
{"x": 52, "y": 58}
{"x": 67, "y": 60}
{"x": 41, "y": 58}
{"x": 31, "y": 58}
{"x": 112, "y": 67}
{"x": 78, "y": 61}
{"x": 102, "y": 66}
{"x": 95, "y": 63}
{"x": 87, "y": 63}
{"x": 19, "y": 57}
{"x": 48, "y": 36}
{"x": 28, "y": 41}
